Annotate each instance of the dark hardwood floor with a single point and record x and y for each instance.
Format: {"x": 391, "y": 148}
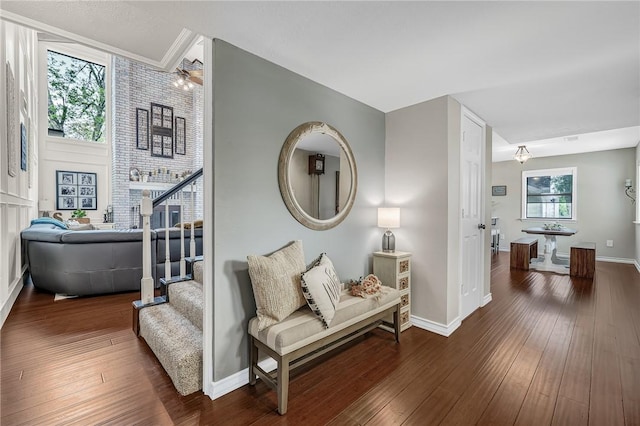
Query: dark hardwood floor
{"x": 547, "y": 350}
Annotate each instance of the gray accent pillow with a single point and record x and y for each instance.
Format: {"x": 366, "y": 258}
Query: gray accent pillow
{"x": 276, "y": 283}
{"x": 321, "y": 288}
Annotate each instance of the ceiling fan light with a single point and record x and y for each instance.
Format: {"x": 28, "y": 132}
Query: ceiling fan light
{"x": 175, "y": 83}
{"x": 190, "y": 84}
{"x": 180, "y": 81}
{"x": 185, "y": 88}
{"x": 522, "y": 154}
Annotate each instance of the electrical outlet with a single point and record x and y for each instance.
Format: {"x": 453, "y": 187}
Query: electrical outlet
{"x": 501, "y": 237}
{"x": 609, "y": 243}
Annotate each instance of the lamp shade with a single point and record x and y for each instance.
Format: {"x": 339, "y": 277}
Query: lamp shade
{"x": 388, "y": 217}
{"x": 46, "y": 205}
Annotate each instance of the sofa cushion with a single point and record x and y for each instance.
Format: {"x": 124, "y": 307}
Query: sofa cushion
{"x": 276, "y": 283}
{"x": 321, "y": 288}
{"x": 302, "y": 327}
{"x": 104, "y": 236}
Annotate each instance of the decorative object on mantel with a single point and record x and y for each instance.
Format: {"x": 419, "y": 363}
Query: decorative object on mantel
{"x": 181, "y": 136}
{"x": 522, "y": 154}
{"x": 388, "y": 217}
{"x": 161, "y": 131}
{"x": 134, "y": 174}
{"x": 108, "y": 214}
{"x": 76, "y": 190}
{"x": 628, "y": 190}
{"x": 142, "y": 128}
{"x": 499, "y": 190}
{"x": 12, "y": 155}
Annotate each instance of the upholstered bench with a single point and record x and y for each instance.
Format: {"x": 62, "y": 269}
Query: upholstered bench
{"x": 301, "y": 337}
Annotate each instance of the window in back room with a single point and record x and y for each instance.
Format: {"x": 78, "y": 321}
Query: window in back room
{"x": 549, "y": 194}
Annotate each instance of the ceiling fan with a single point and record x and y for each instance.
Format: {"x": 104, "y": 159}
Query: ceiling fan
{"x": 187, "y": 78}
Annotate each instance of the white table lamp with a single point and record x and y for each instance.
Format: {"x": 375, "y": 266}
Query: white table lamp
{"x": 388, "y": 218}
{"x": 46, "y": 205}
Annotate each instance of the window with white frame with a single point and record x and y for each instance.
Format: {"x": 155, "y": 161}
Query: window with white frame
{"x": 76, "y": 97}
{"x": 549, "y": 194}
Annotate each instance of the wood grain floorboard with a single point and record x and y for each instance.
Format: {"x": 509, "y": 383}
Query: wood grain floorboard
{"x": 548, "y": 349}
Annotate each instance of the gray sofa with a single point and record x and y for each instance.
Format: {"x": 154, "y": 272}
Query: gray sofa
{"x": 96, "y": 261}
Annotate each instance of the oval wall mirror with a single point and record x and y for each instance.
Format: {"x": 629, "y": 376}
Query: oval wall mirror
{"x": 317, "y": 175}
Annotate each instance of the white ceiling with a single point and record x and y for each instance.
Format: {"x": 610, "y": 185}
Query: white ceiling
{"x": 533, "y": 70}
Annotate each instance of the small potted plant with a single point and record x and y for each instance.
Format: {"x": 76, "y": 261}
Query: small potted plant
{"x": 79, "y": 216}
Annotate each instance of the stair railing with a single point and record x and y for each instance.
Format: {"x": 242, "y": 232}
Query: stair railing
{"x": 147, "y": 206}
{"x": 176, "y": 193}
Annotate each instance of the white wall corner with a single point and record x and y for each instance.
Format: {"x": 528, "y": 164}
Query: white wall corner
{"x": 485, "y": 300}
{"x": 8, "y": 304}
{"x": 222, "y": 387}
{"x": 436, "y": 327}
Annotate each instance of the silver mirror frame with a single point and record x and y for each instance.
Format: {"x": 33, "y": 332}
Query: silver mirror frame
{"x": 284, "y": 181}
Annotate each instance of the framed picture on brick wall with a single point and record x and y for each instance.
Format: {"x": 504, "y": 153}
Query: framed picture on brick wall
{"x": 161, "y": 131}
{"x": 142, "y": 128}
{"x": 181, "y": 136}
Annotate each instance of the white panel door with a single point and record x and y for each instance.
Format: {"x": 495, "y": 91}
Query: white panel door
{"x": 472, "y": 184}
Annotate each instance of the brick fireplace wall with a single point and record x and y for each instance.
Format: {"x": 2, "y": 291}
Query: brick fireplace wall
{"x": 137, "y": 86}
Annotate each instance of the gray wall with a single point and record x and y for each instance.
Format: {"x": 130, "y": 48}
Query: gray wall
{"x": 256, "y": 105}
{"x": 604, "y": 212}
{"x": 423, "y": 178}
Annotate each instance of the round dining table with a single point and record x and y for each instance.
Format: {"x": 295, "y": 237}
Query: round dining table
{"x": 550, "y": 261}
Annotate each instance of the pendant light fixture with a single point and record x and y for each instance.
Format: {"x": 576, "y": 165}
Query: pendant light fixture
{"x": 522, "y": 154}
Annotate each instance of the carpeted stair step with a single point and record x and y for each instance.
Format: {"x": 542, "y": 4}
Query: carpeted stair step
{"x": 187, "y": 298}
{"x": 177, "y": 343}
{"x": 197, "y": 271}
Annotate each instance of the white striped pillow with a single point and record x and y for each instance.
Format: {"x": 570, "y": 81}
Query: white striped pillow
{"x": 321, "y": 288}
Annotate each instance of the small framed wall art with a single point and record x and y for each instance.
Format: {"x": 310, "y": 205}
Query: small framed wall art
{"x": 142, "y": 128}
{"x": 181, "y": 136}
{"x": 76, "y": 190}
{"x": 499, "y": 190}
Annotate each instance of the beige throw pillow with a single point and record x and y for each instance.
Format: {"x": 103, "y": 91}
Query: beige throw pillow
{"x": 276, "y": 283}
{"x": 321, "y": 288}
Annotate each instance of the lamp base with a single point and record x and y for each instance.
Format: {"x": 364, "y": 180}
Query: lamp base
{"x": 388, "y": 242}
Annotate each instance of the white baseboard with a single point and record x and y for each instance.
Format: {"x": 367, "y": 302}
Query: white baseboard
{"x": 436, "y": 327}
{"x": 486, "y": 299}
{"x": 637, "y": 265}
{"x": 222, "y": 387}
{"x": 13, "y": 295}
{"x": 615, "y": 259}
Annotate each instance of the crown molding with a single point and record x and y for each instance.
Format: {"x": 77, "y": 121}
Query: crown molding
{"x": 171, "y": 58}
{"x": 174, "y": 55}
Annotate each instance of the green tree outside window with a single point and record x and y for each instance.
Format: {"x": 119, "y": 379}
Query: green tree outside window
{"x": 76, "y": 97}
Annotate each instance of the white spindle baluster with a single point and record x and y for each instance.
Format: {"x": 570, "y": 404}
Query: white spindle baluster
{"x": 192, "y": 242}
{"x": 146, "y": 283}
{"x": 183, "y": 265}
{"x": 167, "y": 252}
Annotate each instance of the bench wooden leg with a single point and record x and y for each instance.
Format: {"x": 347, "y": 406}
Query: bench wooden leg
{"x": 253, "y": 360}
{"x": 283, "y": 384}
